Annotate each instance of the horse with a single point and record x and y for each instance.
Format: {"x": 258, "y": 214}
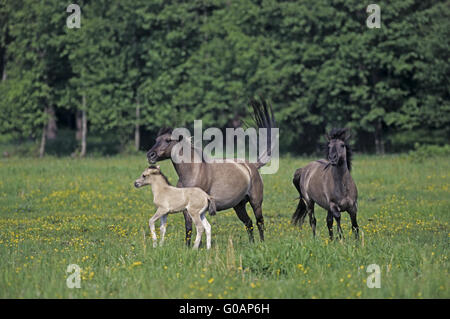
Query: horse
{"x": 329, "y": 184}
{"x": 169, "y": 199}
{"x": 231, "y": 183}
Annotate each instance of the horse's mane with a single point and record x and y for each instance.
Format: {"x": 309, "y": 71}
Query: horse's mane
{"x": 165, "y": 130}
{"x": 342, "y": 134}
{"x": 160, "y": 173}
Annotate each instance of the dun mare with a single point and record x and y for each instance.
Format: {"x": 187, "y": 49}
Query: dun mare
{"x": 329, "y": 184}
{"x": 231, "y": 183}
{"x": 170, "y": 199}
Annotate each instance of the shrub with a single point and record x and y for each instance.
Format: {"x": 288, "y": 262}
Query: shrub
{"x": 422, "y": 152}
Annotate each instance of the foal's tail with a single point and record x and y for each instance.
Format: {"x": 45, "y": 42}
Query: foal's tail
{"x": 300, "y": 212}
{"x": 211, "y": 206}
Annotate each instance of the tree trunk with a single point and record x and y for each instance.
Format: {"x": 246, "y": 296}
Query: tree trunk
{"x": 137, "y": 131}
{"x": 83, "y": 128}
{"x": 43, "y": 140}
{"x": 78, "y": 122}
{"x": 379, "y": 141}
{"x": 52, "y": 127}
{"x": 4, "y": 65}
{"x": 49, "y": 129}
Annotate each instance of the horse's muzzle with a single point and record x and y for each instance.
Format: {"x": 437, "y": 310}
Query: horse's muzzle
{"x": 152, "y": 157}
{"x": 334, "y": 160}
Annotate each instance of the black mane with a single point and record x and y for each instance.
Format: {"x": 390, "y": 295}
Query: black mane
{"x": 342, "y": 134}
{"x": 165, "y": 130}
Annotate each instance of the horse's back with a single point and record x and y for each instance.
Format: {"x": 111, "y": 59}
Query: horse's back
{"x": 309, "y": 179}
{"x": 231, "y": 181}
{"x": 313, "y": 168}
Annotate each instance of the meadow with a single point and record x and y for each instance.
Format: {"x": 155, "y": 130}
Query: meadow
{"x": 60, "y": 211}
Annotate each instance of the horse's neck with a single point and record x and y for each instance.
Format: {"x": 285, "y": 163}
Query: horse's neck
{"x": 159, "y": 185}
{"x": 189, "y": 171}
{"x": 340, "y": 176}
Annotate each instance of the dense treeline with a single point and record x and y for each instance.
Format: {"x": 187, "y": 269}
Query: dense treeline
{"x": 135, "y": 66}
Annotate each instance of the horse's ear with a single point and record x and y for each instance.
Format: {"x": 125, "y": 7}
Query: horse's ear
{"x": 327, "y": 137}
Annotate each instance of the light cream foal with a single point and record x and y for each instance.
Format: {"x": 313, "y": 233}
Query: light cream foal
{"x": 169, "y": 199}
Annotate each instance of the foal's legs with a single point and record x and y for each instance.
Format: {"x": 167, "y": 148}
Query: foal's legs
{"x": 207, "y": 227}
{"x": 151, "y": 223}
{"x": 241, "y": 212}
{"x": 163, "y": 229}
{"x": 199, "y": 226}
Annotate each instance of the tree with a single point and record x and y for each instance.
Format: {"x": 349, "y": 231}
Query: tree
{"x": 36, "y": 69}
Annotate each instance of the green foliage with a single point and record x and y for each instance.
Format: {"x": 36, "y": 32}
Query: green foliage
{"x": 423, "y": 152}
{"x": 183, "y": 60}
{"x": 25, "y": 148}
{"x": 32, "y": 65}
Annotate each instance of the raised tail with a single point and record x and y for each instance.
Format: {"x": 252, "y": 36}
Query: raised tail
{"x": 299, "y": 215}
{"x": 264, "y": 118}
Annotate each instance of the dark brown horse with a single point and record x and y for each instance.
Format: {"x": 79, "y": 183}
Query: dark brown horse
{"x": 231, "y": 184}
{"x": 329, "y": 184}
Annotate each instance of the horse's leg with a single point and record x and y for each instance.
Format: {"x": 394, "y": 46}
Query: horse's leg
{"x": 162, "y": 229}
{"x": 187, "y": 222}
{"x": 241, "y": 212}
{"x": 339, "y": 229}
{"x": 188, "y": 225}
{"x": 207, "y": 227}
{"x": 151, "y": 223}
{"x": 330, "y": 224}
{"x": 257, "y": 210}
{"x": 335, "y": 212}
{"x": 312, "y": 218}
{"x": 199, "y": 226}
{"x": 355, "y": 228}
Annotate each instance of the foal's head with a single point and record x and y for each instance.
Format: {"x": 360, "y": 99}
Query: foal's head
{"x": 338, "y": 150}
{"x": 148, "y": 176}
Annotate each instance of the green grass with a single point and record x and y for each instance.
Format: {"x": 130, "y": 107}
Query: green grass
{"x": 56, "y": 212}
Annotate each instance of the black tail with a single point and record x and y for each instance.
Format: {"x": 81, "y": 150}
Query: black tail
{"x": 300, "y": 212}
{"x": 212, "y": 206}
{"x": 264, "y": 118}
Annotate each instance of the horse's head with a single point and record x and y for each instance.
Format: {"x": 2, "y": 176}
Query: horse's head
{"x": 162, "y": 148}
{"x": 338, "y": 150}
{"x": 146, "y": 177}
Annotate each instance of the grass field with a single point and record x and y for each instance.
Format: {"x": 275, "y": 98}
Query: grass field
{"x": 56, "y": 212}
